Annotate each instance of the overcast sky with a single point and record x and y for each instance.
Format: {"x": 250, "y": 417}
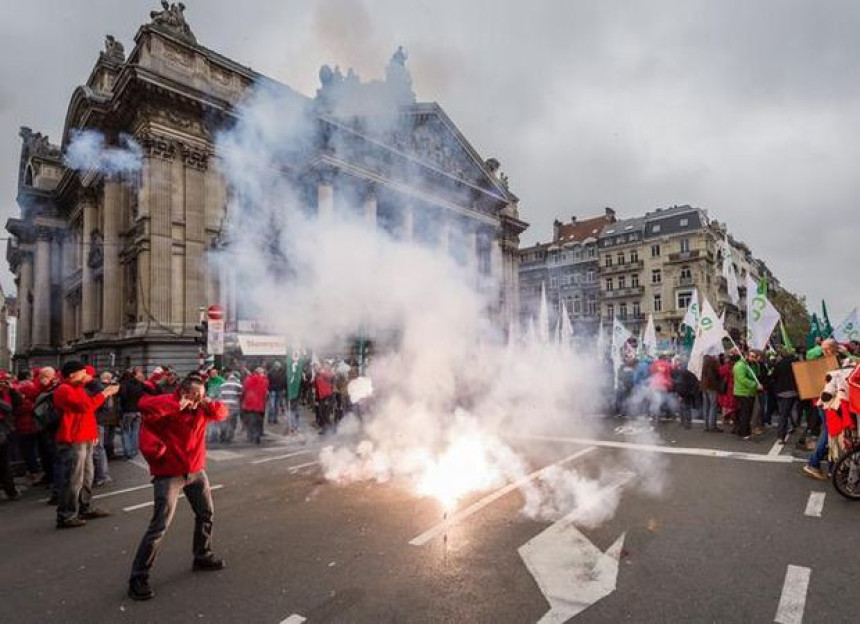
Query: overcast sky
{"x": 748, "y": 109}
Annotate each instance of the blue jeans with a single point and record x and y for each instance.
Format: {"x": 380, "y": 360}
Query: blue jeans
{"x": 821, "y": 448}
{"x": 276, "y": 405}
{"x": 130, "y": 426}
{"x": 100, "y": 461}
{"x": 709, "y": 408}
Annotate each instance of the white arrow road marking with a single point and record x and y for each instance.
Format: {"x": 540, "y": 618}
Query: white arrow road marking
{"x": 151, "y": 503}
{"x": 815, "y": 504}
{"x": 459, "y": 516}
{"x": 792, "y": 602}
{"x": 295, "y": 618}
{"x": 295, "y": 469}
{"x": 571, "y": 572}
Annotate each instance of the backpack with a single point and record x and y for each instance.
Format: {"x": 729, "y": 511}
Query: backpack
{"x": 44, "y": 413}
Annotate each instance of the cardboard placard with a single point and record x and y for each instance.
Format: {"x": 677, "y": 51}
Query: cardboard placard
{"x": 809, "y": 375}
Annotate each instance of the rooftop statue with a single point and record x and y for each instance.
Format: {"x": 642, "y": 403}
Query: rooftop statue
{"x": 172, "y": 19}
{"x": 114, "y": 50}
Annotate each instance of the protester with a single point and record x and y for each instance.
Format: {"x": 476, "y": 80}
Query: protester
{"x": 785, "y": 390}
{"x": 294, "y": 388}
{"x": 95, "y": 385}
{"x": 47, "y": 420}
{"x": 132, "y": 388}
{"x": 710, "y": 386}
{"x": 325, "y": 397}
{"x": 277, "y": 397}
{"x": 26, "y": 430}
{"x": 254, "y": 394}
{"x": 827, "y": 400}
{"x": 231, "y": 397}
{"x": 76, "y": 435}
{"x": 172, "y": 442}
{"x": 686, "y": 386}
{"x": 8, "y": 402}
{"x": 660, "y": 384}
{"x": 745, "y": 388}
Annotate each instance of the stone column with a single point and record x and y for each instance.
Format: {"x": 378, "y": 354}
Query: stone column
{"x": 88, "y": 290}
{"x": 370, "y": 208}
{"x": 41, "y": 336}
{"x": 25, "y": 289}
{"x": 325, "y": 198}
{"x": 496, "y": 262}
{"x": 112, "y": 299}
{"x": 157, "y": 267}
{"x": 195, "y": 172}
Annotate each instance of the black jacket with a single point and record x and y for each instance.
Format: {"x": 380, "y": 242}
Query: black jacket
{"x": 783, "y": 375}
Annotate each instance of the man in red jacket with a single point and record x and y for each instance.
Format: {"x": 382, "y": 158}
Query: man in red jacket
{"x": 172, "y": 439}
{"x": 255, "y": 392}
{"x": 76, "y": 436}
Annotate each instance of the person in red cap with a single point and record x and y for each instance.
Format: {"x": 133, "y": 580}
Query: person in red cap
{"x": 76, "y": 435}
{"x": 172, "y": 439}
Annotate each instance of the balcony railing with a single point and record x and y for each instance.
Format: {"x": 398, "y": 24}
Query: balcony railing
{"x": 681, "y": 281}
{"x": 621, "y": 268}
{"x": 630, "y": 291}
{"x": 687, "y": 256}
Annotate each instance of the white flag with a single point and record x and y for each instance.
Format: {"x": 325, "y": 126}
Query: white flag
{"x": 543, "y": 317}
{"x": 691, "y": 318}
{"x": 729, "y": 274}
{"x": 620, "y": 336}
{"x": 650, "y": 338}
{"x": 762, "y": 317}
{"x": 849, "y": 328}
{"x": 566, "y": 326}
{"x": 709, "y": 339}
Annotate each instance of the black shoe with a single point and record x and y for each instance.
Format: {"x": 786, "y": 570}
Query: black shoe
{"x": 94, "y": 514}
{"x": 53, "y": 500}
{"x": 71, "y": 523}
{"x": 139, "y": 589}
{"x": 209, "y": 564}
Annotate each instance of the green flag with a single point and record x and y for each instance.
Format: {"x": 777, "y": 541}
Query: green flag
{"x": 786, "y": 339}
{"x": 814, "y": 331}
{"x": 826, "y": 327}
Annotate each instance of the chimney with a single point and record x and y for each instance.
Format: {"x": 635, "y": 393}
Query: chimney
{"x": 610, "y": 214}
{"x": 556, "y": 229}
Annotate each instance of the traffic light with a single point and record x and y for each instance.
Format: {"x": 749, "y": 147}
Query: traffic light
{"x": 201, "y": 337}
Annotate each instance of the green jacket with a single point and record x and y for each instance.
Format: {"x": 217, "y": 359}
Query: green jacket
{"x": 745, "y": 381}
{"x": 213, "y": 386}
{"x": 814, "y": 353}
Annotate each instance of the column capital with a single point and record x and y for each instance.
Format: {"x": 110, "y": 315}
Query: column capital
{"x": 157, "y": 146}
{"x": 195, "y": 157}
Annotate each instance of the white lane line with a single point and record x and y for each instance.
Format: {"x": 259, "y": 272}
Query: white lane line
{"x": 792, "y": 602}
{"x": 776, "y": 449}
{"x": 669, "y": 450}
{"x": 151, "y": 503}
{"x": 294, "y": 469}
{"x": 113, "y": 493}
{"x": 277, "y": 457}
{"x": 815, "y": 504}
{"x": 459, "y": 516}
{"x": 222, "y": 455}
{"x": 295, "y": 618}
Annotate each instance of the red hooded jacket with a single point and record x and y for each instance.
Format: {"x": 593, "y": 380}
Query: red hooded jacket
{"x": 77, "y": 411}
{"x": 173, "y": 441}
{"x": 254, "y": 393}
{"x": 24, "y": 421}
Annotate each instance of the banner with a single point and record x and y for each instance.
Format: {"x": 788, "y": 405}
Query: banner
{"x": 691, "y": 318}
{"x": 650, "y": 338}
{"x": 256, "y": 344}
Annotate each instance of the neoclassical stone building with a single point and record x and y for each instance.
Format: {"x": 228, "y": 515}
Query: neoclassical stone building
{"x": 113, "y": 268}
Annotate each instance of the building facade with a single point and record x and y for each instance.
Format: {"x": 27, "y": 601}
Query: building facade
{"x": 113, "y": 269}
{"x": 567, "y": 268}
{"x": 621, "y": 276}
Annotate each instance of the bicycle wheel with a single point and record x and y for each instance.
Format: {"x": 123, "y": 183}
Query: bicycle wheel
{"x": 846, "y": 475}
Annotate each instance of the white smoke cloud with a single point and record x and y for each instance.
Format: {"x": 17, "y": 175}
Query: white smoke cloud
{"x": 448, "y": 390}
{"x": 87, "y": 151}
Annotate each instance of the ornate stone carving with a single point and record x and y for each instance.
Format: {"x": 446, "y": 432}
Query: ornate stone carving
{"x": 195, "y": 157}
{"x": 114, "y": 51}
{"x": 178, "y": 56}
{"x": 172, "y": 19}
{"x": 96, "y": 255}
{"x": 37, "y": 144}
{"x": 158, "y": 146}
{"x": 45, "y": 233}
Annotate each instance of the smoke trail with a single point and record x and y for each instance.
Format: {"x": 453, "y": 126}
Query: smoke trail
{"x": 447, "y": 390}
{"x": 87, "y": 151}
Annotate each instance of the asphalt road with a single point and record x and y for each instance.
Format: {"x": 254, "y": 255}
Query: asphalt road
{"x": 715, "y": 546}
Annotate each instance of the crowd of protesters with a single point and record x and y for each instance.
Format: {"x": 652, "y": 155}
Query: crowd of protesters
{"x": 37, "y": 414}
{"x": 745, "y": 392}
